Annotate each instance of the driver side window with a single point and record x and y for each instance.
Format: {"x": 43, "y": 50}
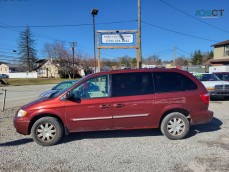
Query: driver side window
{"x": 93, "y": 88}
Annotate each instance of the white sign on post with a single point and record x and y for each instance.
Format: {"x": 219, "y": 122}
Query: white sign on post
{"x": 120, "y": 38}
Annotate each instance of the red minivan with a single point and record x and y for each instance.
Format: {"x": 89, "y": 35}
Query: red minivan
{"x": 171, "y": 99}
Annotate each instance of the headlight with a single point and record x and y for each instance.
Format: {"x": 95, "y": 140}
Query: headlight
{"x": 21, "y": 113}
{"x": 210, "y": 88}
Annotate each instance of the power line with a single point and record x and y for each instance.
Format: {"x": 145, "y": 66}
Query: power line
{"x": 68, "y": 25}
{"x": 180, "y": 54}
{"x": 185, "y": 13}
{"x": 34, "y": 33}
{"x": 10, "y": 50}
{"x": 180, "y": 33}
{"x": 75, "y": 25}
{"x": 158, "y": 52}
{"x": 183, "y": 51}
{"x": 7, "y": 52}
{"x": 53, "y": 38}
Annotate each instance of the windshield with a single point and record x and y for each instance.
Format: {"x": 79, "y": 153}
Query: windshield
{"x": 207, "y": 77}
{"x": 63, "y": 85}
{"x": 56, "y": 94}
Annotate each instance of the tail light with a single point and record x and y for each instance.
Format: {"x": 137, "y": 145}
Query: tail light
{"x": 205, "y": 97}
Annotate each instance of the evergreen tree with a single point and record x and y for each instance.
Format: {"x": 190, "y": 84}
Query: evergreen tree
{"x": 197, "y": 58}
{"x": 27, "y": 52}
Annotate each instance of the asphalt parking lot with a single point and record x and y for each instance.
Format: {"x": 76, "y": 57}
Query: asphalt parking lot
{"x": 19, "y": 95}
{"x": 205, "y": 149}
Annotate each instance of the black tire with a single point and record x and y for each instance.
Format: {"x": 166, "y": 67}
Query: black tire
{"x": 47, "y": 131}
{"x": 175, "y": 126}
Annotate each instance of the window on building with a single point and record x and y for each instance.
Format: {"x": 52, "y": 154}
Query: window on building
{"x": 226, "y": 51}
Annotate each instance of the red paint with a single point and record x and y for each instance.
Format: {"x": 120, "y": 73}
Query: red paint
{"x": 111, "y": 113}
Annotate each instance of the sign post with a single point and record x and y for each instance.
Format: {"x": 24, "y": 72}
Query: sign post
{"x": 116, "y": 39}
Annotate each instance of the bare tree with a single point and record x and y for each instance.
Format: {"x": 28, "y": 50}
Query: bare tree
{"x": 125, "y": 61}
{"x": 86, "y": 62}
{"x": 61, "y": 57}
{"x": 152, "y": 60}
{"x": 181, "y": 61}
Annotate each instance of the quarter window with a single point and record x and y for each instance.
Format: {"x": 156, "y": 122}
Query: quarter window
{"x": 172, "y": 82}
{"x": 130, "y": 84}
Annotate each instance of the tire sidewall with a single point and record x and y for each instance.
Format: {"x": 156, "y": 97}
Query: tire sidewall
{"x": 165, "y": 121}
{"x": 55, "y": 123}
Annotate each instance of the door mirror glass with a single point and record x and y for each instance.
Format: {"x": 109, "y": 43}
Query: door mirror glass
{"x": 68, "y": 95}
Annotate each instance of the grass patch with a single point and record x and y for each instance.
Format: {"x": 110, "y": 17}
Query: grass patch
{"x": 33, "y": 81}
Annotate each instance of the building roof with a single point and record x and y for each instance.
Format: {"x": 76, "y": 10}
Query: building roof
{"x": 3, "y": 63}
{"x": 208, "y": 62}
{"x": 226, "y": 42}
{"x": 41, "y": 61}
{"x": 14, "y": 65}
{"x": 220, "y": 60}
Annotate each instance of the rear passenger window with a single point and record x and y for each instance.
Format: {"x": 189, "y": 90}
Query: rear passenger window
{"x": 130, "y": 84}
{"x": 172, "y": 82}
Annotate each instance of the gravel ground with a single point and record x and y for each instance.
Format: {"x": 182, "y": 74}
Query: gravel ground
{"x": 205, "y": 149}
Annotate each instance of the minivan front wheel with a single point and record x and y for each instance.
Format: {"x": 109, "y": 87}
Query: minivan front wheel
{"x": 47, "y": 131}
{"x": 175, "y": 126}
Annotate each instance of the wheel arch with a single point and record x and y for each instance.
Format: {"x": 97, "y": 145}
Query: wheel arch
{"x": 180, "y": 110}
{"x": 35, "y": 118}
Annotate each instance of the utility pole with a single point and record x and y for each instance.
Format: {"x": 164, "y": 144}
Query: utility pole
{"x": 94, "y": 12}
{"x": 139, "y": 50}
{"x": 174, "y": 51}
{"x": 73, "y": 44}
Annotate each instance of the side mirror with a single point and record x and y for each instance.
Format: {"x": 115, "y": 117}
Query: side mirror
{"x": 68, "y": 95}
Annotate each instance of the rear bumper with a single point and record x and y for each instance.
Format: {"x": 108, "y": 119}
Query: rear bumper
{"x": 201, "y": 117}
{"x": 21, "y": 126}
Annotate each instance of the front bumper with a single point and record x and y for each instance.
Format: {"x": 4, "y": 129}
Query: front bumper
{"x": 21, "y": 125}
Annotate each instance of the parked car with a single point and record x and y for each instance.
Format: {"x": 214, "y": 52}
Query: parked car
{"x": 169, "y": 99}
{"x": 58, "y": 87}
{"x": 2, "y": 76}
{"x": 214, "y": 85}
{"x": 222, "y": 75}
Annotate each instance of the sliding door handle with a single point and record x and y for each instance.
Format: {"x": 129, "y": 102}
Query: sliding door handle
{"x": 118, "y": 105}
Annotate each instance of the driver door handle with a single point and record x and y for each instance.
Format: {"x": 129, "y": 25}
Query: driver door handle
{"x": 118, "y": 105}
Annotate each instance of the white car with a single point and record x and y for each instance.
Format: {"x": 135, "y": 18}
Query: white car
{"x": 214, "y": 85}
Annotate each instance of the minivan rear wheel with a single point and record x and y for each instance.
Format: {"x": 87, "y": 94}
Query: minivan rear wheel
{"x": 175, "y": 126}
{"x": 47, "y": 131}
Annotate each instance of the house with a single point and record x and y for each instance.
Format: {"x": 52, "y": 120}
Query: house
{"x": 14, "y": 68}
{"x": 4, "y": 69}
{"x": 221, "y": 53}
{"x": 46, "y": 69}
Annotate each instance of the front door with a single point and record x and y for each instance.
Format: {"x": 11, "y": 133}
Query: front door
{"x": 89, "y": 109}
